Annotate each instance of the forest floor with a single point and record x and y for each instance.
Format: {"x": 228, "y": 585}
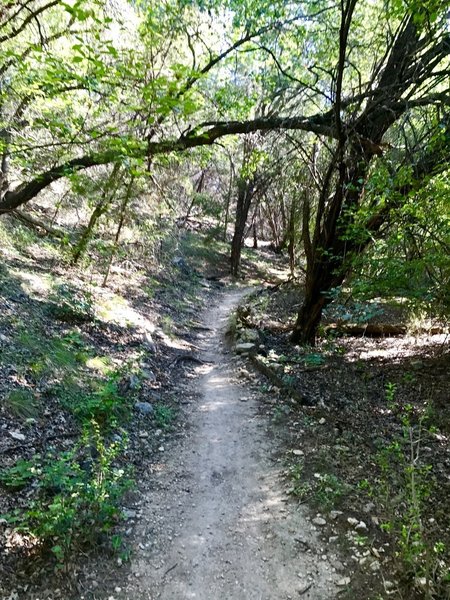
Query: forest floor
{"x": 267, "y": 474}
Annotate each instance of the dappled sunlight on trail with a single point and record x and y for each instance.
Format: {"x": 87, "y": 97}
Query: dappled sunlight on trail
{"x": 228, "y": 534}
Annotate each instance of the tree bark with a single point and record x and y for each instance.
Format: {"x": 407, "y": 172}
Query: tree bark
{"x": 99, "y": 210}
{"x": 245, "y": 195}
{"x": 123, "y": 210}
{"x": 291, "y": 229}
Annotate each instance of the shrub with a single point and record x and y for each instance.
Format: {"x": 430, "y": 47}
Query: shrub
{"x": 77, "y": 493}
{"x": 105, "y": 405}
{"x": 71, "y": 304}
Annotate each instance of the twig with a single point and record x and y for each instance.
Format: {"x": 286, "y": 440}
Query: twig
{"x": 34, "y": 223}
{"x": 170, "y": 569}
{"x": 305, "y": 589}
{"x": 200, "y": 327}
{"x": 194, "y": 359}
{"x": 194, "y": 347}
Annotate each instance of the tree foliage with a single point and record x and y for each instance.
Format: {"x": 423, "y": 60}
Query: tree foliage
{"x": 351, "y": 95}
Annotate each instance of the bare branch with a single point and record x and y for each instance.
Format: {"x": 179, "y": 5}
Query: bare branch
{"x": 17, "y": 30}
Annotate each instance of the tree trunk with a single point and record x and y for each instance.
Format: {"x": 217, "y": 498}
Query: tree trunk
{"x": 198, "y": 189}
{"x": 328, "y": 253}
{"x": 255, "y": 236}
{"x": 245, "y": 195}
{"x": 82, "y": 243}
{"x": 308, "y": 320}
{"x": 115, "y": 246}
{"x": 291, "y": 236}
{"x": 228, "y": 201}
{"x": 101, "y": 207}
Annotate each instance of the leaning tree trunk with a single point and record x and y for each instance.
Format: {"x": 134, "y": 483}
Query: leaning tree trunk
{"x": 83, "y": 242}
{"x": 245, "y": 195}
{"x": 318, "y": 284}
{"x": 329, "y": 253}
{"x": 107, "y": 197}
{"x": 120, "y": 225}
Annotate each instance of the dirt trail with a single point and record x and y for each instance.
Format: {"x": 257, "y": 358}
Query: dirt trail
{"x": 216, "y": 524}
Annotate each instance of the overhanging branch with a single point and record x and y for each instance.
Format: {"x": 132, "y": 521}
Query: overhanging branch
{"x": 203, "y": 135}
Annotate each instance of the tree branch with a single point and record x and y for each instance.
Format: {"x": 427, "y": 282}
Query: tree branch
{"x": 204, "y": 135}
{"x": 16, "y": 31}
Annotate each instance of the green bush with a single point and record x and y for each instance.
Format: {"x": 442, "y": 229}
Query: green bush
{"x": 71, "y": 304}
{"x": 105, "y": 405}
{"x": 22, "y": 403}
{"x": 77, "y": 493}
{"x": 163, "y": 416}
{"x": 402, "y": 492}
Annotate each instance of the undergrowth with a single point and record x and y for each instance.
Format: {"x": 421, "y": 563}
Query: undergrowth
{"x": 401, "y": 492}
{"x": 76, "y": 493}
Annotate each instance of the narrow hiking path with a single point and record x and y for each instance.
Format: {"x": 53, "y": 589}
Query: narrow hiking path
{"x": 215, "y": 523}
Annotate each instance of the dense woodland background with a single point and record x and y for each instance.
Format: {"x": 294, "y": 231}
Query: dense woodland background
{"x": 144, "y": 144}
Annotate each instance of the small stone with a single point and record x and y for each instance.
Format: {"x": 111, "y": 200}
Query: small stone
{"x": 161, "y": 449}
{"x": 148, "y": 375}
{"x": 134, "y": 381}
{"x": 129, "y": 513}
{"x": 369, "y": 507}
{"x": 249, "y": 335}
{"x": 17, "y": 436}
{"x": 352, "y": 521}
{"x": 145, "y": 408}
{"x": 245, "y": 347}
{"x": 320, "y": 521}
{"x": 276, "y": 366}
{"x": 334, "y": 514}
{"x": 361, "y": 526}
{"x": 343, "y": 582}
{"x": 117, "y": 590}
{"x": 148, "y": 343}
{"x": 180, "y": 263}
{"x": 389, "y": 585}
{"x": 375, "y": 566}
{"x": 322, "y": 421}
{"x": 332, "y": 539}
{"x": 298, "y": 452}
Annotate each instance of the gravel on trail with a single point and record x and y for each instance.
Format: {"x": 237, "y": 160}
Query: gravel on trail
{"x": 216, "y": 522}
